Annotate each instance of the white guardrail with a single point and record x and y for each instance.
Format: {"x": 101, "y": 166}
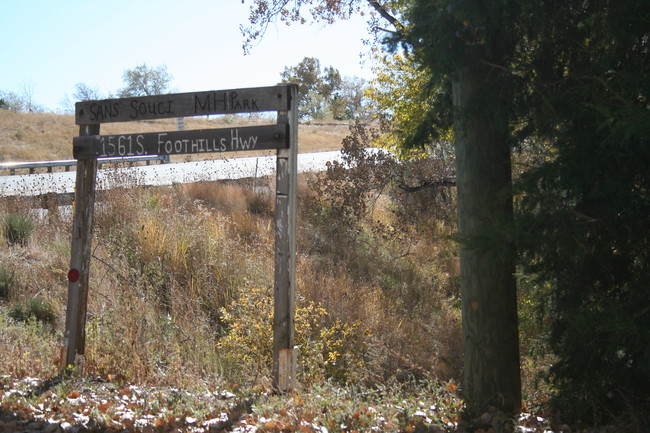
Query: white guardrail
{"x": 67, "y": 163}
{"x": 161, "y": 174}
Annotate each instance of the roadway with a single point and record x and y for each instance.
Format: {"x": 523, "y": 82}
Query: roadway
{"x": 161, "y": 174}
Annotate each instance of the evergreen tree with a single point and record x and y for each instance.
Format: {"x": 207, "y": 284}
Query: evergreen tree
{"x": 566, "y": 78}
{"x": 585, "y": 226}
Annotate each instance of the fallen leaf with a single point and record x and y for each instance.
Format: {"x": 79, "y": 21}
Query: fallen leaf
{"x": 116, "y": 377}
{"x": 103, "y": 408}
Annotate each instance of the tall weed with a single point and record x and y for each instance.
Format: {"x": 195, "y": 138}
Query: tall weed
{"x": 27, "y": 348}
{"x": 6, "y": 282}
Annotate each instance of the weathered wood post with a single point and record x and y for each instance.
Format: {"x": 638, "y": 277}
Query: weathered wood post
{"x": 82, "y": 228}
{"x": 284, "y": 353}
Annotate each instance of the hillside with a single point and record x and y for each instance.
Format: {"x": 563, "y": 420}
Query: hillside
{"x": 48, "y": 136}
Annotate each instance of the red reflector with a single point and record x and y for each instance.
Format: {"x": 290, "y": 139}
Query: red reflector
{"x": 73, "y": 275}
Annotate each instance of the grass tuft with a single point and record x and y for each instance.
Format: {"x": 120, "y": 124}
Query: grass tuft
{"x": 18, "y": 228}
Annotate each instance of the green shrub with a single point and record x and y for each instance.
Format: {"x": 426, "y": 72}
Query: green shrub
{"x": 35, "y": 309}
{"x": 18, "y": 228}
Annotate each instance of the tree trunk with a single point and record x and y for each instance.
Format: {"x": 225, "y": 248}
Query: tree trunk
{"x": 487, "y": 249}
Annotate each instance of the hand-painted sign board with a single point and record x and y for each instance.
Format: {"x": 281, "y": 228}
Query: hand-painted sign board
{"x": 251, "y": 100}
{"x": 182, "y": 142}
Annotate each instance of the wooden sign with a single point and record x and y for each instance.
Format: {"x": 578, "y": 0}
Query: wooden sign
{"x": 253, "y": 100}
{"x": 182, "y": 142}
{"x": 283, "y": 136}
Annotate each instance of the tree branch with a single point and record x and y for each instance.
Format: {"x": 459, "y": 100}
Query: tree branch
{"x": 428, "y": 184}
{"x": 384, "y": 13}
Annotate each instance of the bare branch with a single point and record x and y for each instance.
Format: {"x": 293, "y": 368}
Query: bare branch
{"x": 386, "y": 15}
{"x": 263, "y": 13}
{"x": 428, "y": 184}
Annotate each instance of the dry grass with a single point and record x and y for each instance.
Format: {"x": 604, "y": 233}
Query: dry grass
{"x": 35, "y": 136}
{"x": 169, "y": 261}
{"x": 173, "y": 266}
{"x": 48, "y": 136}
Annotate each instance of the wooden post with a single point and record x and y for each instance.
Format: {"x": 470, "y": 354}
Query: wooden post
{"x": 75, "y": 324}
{"x": 284, "y": 355}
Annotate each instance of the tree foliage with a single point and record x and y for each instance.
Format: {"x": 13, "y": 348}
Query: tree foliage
{"x": 403, "y": 102}
{"x": 584, "y": 212}
{"x": 143, "y": 80}
{"x": 323, "y": 92}
{"x": 11, "y": 101}
{"x": 316, "y": 86}
{"x": 351, "y": 101}
{"x": 577, "y": 90}
{"x": 265, "y": 12}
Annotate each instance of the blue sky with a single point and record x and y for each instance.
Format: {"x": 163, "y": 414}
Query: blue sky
{"x": 48, "y": 46}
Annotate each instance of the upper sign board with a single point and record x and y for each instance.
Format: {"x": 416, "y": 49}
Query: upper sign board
{"x": 249, "y": 100}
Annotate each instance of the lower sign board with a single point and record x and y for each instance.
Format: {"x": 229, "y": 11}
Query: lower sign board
{"x": 182, "y": 142}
